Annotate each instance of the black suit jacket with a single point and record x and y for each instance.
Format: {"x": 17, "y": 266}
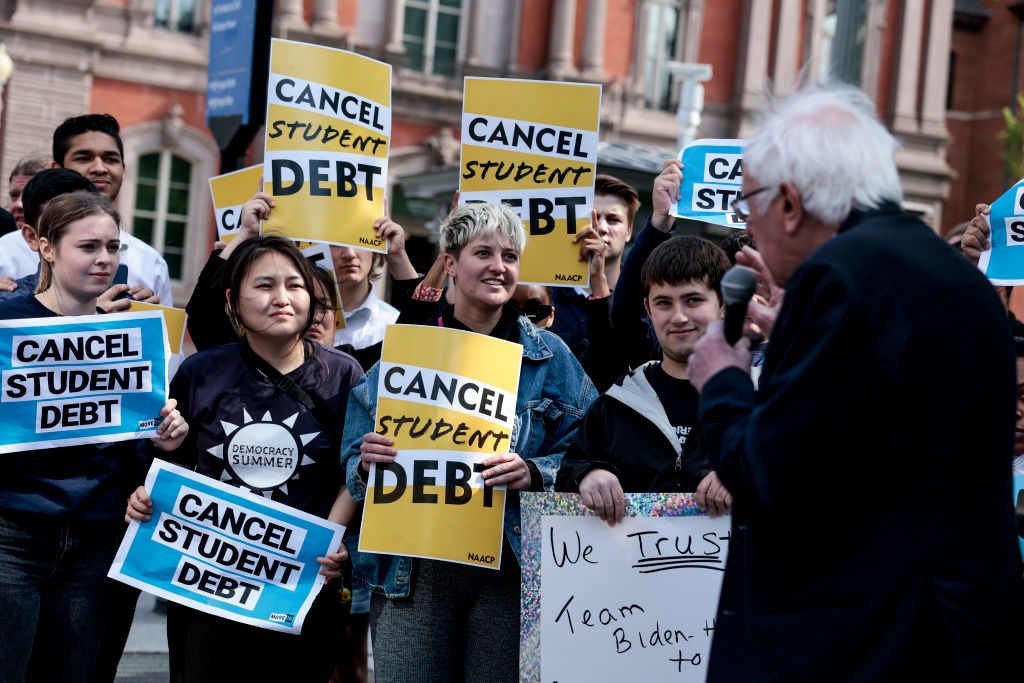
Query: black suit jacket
{"x": 873, "y": 534}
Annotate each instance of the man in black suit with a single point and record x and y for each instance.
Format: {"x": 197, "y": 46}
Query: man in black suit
{"x": 873, "y": 529}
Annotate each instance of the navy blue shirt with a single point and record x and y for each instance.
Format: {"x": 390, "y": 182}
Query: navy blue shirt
{"x": 247, "y": 432}
{"x": 87, "y": 483}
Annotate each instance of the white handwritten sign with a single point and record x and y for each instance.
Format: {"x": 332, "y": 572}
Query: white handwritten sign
{"x": 632, "y": 602}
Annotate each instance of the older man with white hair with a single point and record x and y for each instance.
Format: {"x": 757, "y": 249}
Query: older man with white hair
{"x": 873, "y": 529}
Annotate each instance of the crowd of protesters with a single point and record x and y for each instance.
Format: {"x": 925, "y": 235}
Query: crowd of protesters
{"x": 876, "y": 365}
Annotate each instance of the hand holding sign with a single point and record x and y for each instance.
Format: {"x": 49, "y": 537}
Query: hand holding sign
{"x": 1003, "y": 262}
{"x": 976, "y": 237}
{"x": 594, "y": 250}
{"x": 508, "y": 469}
{"x": 376, "y": 448}
{"x": 712, "y": 180}
{"x": 666, "y": 194}
{"x": 172, "y": 430}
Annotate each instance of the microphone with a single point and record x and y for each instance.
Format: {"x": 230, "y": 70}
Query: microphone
{"x": 738, "y": 286}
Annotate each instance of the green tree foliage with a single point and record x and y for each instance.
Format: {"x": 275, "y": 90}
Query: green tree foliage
{"x": 1013, "y": 139}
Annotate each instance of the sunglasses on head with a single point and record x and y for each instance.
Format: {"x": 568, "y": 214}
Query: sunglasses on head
{"x": 534, "y": 311}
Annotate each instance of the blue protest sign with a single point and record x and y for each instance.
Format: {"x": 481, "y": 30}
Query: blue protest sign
{"x": 712, "y": 174}
{"x": 1003, "y": 264}
{"x": 225, "y": 551}
{"x": 229, "y": 78}
{"x": 1018, "y": 500}
{"x": 84, "y": 379}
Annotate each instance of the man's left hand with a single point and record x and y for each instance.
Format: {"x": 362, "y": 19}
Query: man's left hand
{"x": 712, "y": 354}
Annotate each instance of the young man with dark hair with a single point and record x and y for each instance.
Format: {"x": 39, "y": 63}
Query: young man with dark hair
{"x": 615, "y": 204}
{"x": 91, "y": 144}
{"x": 641, "y": 435}
{"x": 583, "y": 315}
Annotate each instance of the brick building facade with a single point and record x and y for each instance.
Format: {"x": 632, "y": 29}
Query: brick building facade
{"x": 144, "y": 61}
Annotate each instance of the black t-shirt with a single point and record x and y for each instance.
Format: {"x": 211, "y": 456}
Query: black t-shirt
{"x": 679, "y": 399}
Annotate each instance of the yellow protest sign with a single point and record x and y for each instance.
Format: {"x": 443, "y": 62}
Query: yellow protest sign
{"x": 533, "y": 146}
{"x": 319, "y": 254}
{"x": 327, "y": 142}
{"x": 448, "y": 399}
{"x": 175, "y": 320}
{"x": 230, "y": 191}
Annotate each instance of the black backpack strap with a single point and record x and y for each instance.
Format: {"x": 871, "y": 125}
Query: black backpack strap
{"x": 287, "y": 385}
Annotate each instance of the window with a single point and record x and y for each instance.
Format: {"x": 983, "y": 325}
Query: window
{"x": 431, "y": 35}
{"x": 661, "y": 46}
{"x": 847, "y": 22}
{"x": 160, "y": 216}
{"x": 176, "y": 15}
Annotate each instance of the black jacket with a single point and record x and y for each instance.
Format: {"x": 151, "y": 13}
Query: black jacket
{"x": 627, "y": 432}
{"x": 873, "y": 529}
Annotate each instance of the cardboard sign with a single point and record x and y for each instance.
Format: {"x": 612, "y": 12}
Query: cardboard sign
{"x": 448, "y": 399}
{"x": 225, "y": 551}
{"x": 1003, "y": 263}
{"x": 176, "y": 321}
{"x": 636, "y": 601}
{"x": 712, "y": 176}
{"x": 83, "y": 379}
{"x": 533, "y": 145}
{"x": 319, "y": 254}
{"x": 230, "y": 192}
{"x": 328, "y": 136}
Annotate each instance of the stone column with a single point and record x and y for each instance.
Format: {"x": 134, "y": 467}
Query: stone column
{"x": 904, "y": 115}
{"x": 560, "y": 54}
{"x": 396, "y": 15}
{"x": 593, "y": 40}
{"x": 325, "y": 16}
{"x": 814, "y": 17}
{"x": 694, "y": 21}
{"x": 288, "y": 14}
{"x": 478, "y": 33}
{"x": 871, "y": 64}
{"x": 787, "y": 43}
{"x": 754, "y": 43}
{"x": 936, "y": 75}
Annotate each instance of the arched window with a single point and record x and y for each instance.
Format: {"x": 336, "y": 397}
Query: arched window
{"x": 160, "y": 216}
{"x": 164, "y": 199}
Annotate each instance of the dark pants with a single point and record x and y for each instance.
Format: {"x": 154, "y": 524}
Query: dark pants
{"x": 460, "y": 623}
{"x": 204, "y": 648}
{"x": 54, "y": 596}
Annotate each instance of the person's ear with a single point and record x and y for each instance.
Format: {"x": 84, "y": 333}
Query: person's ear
{"x": 449, "y": 265}
{"x": 29, "y": 234}
{"x": 45, "y": 250}
{"x": 792, "y": 208}
{"x": 647, "y": 306}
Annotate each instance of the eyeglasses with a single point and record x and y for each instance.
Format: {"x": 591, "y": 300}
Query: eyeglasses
{"x": 741, "y": 206}
{"x": 534, "y": 311}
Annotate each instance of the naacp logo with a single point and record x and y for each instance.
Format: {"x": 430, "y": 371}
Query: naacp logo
{"x": 262, "y": 455}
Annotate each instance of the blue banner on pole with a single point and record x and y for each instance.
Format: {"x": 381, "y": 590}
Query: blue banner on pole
{"x": 225, "y": 551}
{"x": 229, "y": 77}
{"x": 712, "y": 175}
{"x": 83, "y": 379}
{"x": 1003, "y": 264}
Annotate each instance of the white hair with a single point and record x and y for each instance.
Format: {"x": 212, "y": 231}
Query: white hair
{"x": 480, "y": 219}
{"x": 828, "y": 143}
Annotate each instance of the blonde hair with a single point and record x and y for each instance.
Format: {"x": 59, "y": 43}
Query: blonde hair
{"x": 480, "y": 219}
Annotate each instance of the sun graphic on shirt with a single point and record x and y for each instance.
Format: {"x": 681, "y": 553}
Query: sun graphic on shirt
{"x": 262, "y": 456}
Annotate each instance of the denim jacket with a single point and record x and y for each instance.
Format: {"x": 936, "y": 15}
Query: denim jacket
{"x": 554, "y": 393}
